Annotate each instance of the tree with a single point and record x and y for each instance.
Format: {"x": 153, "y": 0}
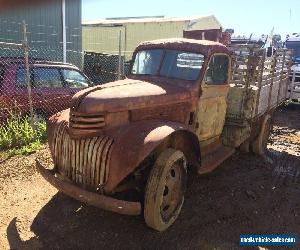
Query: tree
{"x": 276, "y": 40}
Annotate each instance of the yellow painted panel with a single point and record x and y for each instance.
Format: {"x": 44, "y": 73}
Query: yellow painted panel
{"x": 211, "y": 113}
{"x": 105, "y": 39}
{"x": 140, "y": 32}
{"x": 102, "y": 39}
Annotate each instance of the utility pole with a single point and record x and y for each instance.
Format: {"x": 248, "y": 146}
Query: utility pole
{"x": 26, "y": 56}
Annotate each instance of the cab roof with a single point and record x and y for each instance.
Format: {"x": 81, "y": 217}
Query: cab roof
{"x": 205, "y": 47}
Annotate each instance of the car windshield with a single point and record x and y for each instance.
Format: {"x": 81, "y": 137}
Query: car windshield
{"x": 168, "y": 63}
{"x": 74, "y": 79}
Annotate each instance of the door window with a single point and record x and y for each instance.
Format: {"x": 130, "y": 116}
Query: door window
{"x": 217, "y": 71}
{"x": 74, "y": 79}
{"x": 47, "y": 78}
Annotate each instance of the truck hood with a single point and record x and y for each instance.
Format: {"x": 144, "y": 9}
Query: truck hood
{"x": 127, "y": 94}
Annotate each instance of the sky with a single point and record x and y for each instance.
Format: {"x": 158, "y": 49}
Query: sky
{"x": 244, "y": 16}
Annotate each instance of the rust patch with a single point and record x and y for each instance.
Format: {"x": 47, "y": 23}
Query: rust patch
{"x": 82, "y": 161}
{"x": 177, "y": 113}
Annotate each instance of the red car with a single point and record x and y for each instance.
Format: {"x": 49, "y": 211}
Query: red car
{"x": 53, "y": 85}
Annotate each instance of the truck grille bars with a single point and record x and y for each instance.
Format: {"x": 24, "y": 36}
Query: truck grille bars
{"x": 86, "y": 122}
{"x": 84, "y": 161}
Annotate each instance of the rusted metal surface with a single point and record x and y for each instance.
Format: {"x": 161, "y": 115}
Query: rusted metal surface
{"x": 205, "y": 47}
{"x": 97, "y": 200}
{"x": 212, "y": 34}
{"x": 86, "y": 161}
{"x": 128, "y": 94}
{"x": 111, "y": 129}
{"x": 152, "y": 111}
{"x": 146, "y": 136}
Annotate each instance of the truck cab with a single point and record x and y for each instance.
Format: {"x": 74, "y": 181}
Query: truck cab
{"x": 183, "y": 108}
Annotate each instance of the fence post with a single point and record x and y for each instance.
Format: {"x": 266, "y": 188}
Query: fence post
{"x": 120, "y": 57}
{"x": 26, "y": 55}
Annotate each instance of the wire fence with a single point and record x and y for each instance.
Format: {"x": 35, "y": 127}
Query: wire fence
{"x": 35, "y": 78}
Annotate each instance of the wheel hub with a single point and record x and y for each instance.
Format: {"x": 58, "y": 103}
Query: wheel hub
{"x": 173, "y": 191}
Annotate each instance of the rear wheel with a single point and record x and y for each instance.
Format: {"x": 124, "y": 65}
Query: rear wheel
{"x": 164, "y": 195}
{"x": 259, "y": 145}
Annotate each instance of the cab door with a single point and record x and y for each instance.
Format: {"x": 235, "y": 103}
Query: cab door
{"x": 212, "y": 104}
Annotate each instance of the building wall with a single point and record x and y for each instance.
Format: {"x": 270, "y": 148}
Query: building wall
{"x": 106, "y": 39}
{"x": 74, "y": 31}
{"x": 44, "y": 29}
{"x": 103, "y": 37}
{"x": 140, "y": 32}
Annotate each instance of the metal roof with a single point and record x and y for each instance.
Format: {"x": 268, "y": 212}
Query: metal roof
{"x": 120, "y": 21}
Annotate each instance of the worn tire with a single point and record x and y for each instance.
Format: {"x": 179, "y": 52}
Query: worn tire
{"x": 170, "y": 167}
{"x": 259, "y": 145}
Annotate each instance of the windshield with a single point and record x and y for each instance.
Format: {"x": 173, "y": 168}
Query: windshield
{"x": 74, "y": 79}
{"x": 168, "y": 63}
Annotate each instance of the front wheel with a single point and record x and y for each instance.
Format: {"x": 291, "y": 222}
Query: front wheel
{"x": 164, "y": 195}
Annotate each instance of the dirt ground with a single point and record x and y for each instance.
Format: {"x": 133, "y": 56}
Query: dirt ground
{"x": 246, "y": 194}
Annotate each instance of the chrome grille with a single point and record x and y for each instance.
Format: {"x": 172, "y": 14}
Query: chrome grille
{"x": 84, "y": 161}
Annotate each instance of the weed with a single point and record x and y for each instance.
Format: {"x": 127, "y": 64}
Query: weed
{"x": 18, "y": 137}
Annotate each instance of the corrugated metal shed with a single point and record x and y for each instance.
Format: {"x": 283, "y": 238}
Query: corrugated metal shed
{"x": 44, "y": 27}
{"x": 102, "y": 36}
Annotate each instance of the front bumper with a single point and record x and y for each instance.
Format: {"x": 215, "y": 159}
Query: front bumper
{"x": 97, "y": 200}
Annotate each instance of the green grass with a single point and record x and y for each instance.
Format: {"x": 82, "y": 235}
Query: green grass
{"x": 18, "y": 137}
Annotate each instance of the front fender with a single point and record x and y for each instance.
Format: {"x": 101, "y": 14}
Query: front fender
{"x": 134, "y": 142}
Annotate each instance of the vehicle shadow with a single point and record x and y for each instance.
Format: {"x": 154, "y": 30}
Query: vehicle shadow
{"x": 218, "y": 208}
{"x": 64, "y": 223}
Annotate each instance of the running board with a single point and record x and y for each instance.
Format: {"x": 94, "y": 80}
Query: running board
{"x": 214, "y": 159}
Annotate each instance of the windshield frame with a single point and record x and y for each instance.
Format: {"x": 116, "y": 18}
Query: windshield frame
{"x": 164, "y": 50}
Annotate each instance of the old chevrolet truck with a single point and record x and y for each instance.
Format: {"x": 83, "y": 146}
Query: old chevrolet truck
{"x": 186, "y": 106}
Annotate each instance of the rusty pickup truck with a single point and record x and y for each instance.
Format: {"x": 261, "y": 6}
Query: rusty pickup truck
{"x": 186, "y": 106}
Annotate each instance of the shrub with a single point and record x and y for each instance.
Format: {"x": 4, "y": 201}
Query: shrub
{"x": 17, "y": 135}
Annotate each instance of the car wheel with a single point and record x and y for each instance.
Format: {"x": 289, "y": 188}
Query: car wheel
{"x": 164, "y": 195}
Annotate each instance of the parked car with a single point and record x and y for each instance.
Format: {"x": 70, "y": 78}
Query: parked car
{"x": 53, "y": 85}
